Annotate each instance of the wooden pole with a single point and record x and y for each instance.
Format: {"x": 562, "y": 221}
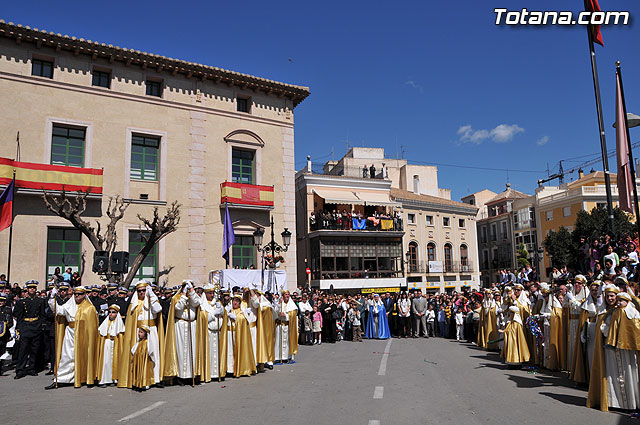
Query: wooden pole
{"x": 11, "y": 228}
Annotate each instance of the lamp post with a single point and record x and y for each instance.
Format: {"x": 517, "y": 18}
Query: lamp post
{"x": 537, "y": 257}
{"x": 272, "y": 247}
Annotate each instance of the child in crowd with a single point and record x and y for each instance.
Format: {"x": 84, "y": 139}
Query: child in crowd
{"x": 308, "y": 326}
{"x": 354, "y": 317}
{"x": 143, "y": 361}
{"x": 459, "y": 323}
{"x": 317, "y": 326}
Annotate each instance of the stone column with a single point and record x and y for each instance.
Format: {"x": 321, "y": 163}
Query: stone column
{"x": 196, "y": 210}
{"x": 289, "y": 211}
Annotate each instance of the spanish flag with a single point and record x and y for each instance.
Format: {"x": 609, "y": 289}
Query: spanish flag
{"x": 50, "y": 177}
{"x": 6, "y": 206}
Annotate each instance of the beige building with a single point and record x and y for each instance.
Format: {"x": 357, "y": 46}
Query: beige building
{"x": 162, "y": 130}
{"x": 439, "y": 242}
{"x": 396, "y": 246}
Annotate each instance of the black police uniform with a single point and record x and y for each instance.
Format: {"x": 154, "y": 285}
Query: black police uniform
{"x": 5, "y": 333}
{"x": 29, "y": 314}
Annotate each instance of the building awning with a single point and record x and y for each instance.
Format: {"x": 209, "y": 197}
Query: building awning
{"x": 377, "y": 199}
{"x": 338, "y": 197}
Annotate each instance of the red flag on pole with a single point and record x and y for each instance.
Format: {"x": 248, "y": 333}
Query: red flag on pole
{"x": 625, "y": 180}
{"x": 6, "y": 206}
{"x": 593, "y": 6}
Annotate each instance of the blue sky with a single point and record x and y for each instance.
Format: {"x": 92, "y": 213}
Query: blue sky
{"x": 439, "y": 77}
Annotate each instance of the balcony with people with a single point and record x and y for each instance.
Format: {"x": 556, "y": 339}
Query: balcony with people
{"x": 365, "y": 218}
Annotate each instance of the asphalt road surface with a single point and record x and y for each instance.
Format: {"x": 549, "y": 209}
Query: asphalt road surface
{"x": 398, "y": 381}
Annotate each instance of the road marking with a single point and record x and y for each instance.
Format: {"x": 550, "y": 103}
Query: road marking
{"x": 374, "y": 422}
{"x": 385, "y": 357}
{"x": 378, "y": 392}
{"x": 143, "y": 411}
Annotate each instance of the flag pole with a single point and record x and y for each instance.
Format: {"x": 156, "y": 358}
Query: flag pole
{"x": 13, "y": 192}
{"x": 603, "y": 141}
{"x": 631, "y": 163}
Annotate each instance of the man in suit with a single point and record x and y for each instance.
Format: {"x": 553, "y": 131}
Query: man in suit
{"x": 419, "y": 309}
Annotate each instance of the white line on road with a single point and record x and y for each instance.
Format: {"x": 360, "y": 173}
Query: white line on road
{"x": 143, "y": 411}
{"x": 385, "y": 357}
{"x": 378, "y": 392}
{"x": 374, "y": 422}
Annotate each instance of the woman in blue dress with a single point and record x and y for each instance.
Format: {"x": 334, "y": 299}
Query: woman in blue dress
{"x": 377, "y": 323}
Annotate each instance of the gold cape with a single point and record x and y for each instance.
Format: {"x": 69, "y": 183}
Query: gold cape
{"x": 525, "y": 312}
{"x": 482, "y": 329}
{"x": 515, "y": 350}
{"x": 488, "y": 329}
{"x": 624, "y": 333}
{"x": 130, "y": 339}
{"x": 243, "y": 359}
{"x": 597, "y": 396}
{"x": 265, "y": 338}
{"x": 579, "y": 372}
{"x": 293, "y": 332}
{"x": 557, "y": 344}
{"x": 85, "y": 344}
{"x": 142, "y": 366}
{"x": 118, "y": 343}
{"x": 60, "y": 326}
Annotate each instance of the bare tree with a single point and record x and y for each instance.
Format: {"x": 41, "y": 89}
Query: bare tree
{"x": 106, "y": 239}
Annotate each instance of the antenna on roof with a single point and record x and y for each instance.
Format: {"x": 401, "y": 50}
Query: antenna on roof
{"x": 332, "y": 153}
{"x": 402, "y": 151}
{"x": 561, "y": 174}
{"x": 396, "y": 148}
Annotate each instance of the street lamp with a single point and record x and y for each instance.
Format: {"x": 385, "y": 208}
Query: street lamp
{"x": 272, "y": 248}
{"x": 537, "y": 257}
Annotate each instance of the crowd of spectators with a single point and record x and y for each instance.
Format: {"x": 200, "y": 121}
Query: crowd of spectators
{"x": 355, "y": 220}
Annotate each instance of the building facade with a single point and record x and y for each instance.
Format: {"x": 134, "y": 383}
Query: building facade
{"x": 395, "y": 246}
{"x": 161, "y": 130}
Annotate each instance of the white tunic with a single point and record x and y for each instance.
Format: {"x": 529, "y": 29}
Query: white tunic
{"x": 109, "y": 328}
{"x": 621, "y": 370}
{"x": 214, "y": 319}
{"x": 185, "y": 318}
{"x": 573, "y": 302}
{"x": 282, "y": 330}
{"x": 67, "y": 365}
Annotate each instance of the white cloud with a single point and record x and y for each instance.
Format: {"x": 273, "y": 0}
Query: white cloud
{"x": 415, "y": 85}
{"x": 542, "y": 141}
{"x": 500, "y": 134}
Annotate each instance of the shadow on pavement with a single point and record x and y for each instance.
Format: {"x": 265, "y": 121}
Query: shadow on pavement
{"x": 567, "y": 399}
{"x": 499, "y": 366}
{"x": 540, "y": 380}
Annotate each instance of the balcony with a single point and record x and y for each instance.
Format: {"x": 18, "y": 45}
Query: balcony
{"x": 441, "y": 267}
{"x": 322, "y": 221}
{"x": 241, "y": 195}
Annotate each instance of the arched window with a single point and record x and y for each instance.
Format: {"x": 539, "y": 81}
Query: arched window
{"x": 448, "y": 263}
{"x": 413, "y": 257}
{"x": 464, "y": 255}
{"x": 431, "y": 251}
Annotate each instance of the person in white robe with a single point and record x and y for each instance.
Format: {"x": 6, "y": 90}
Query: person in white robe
{"x": 215, "y": 312}
{"x": 621, "y": 365}
{"x": 262, "y": 307}
{"x": 572, "y": 303}
{"x": 186, "y": 311}
{"x": 286, "y": 338}
{"x": 110, "y": 329}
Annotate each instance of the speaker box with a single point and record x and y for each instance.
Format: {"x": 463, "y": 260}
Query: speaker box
{"x": 100, "y": 262}
{"x": 120, "y": 262}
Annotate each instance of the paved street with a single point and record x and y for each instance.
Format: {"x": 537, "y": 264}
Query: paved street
{"x": 431, "y": 381}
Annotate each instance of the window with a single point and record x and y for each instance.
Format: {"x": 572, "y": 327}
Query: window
{"x": 101, "y": 79}
{"x": 67, "y": 146}
{"x": 464, "y": 255}
{"x": 242, "y": 166}
{"x": 242, "y": 104}
{"x": 446, "y": 221}
{"x": 144, "y": 157}
{"x": 411, "y": 218}
{"x": 484, "y": 234}
{"x": 154, "y": 88}
{"x": 566, "y": 211}
{"x": 448, "y": 263}
{"x": 149, "y": 267}
{"x": 429, "y": 219}
{"x": 42, "y": 68}
{"x": 485, "y": 259}
{"x": 549, "y": 215}
{"x": 431, "y": 251}
{"x": 64, "y": 249}
{"x": 413, "y": 257}
{"x": 505, "y": 234}
{"x": 461, "y": 223}
{"x": 243, "y": 252}
{"x": 494, "y": 231}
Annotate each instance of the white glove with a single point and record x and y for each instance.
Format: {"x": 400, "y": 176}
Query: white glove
{"x": 571, "y": 296}
{"x": 186, "y": 288}
{"x": 149, "y": 290}
{"x": 582, "y": 338}
{"x": 54, "y": 291}
{"x": 231, "y": 316}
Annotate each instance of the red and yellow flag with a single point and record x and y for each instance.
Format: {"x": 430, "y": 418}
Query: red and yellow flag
{"x": 50, "y": 177}
{"x": 247, "y": 194}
